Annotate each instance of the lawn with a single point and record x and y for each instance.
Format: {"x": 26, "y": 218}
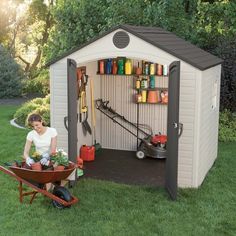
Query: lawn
{"x": 107, "y": 208}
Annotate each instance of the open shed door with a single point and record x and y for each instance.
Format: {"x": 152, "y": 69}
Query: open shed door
{"x": 173, "y": 130}
{"x": 72, "y": 109}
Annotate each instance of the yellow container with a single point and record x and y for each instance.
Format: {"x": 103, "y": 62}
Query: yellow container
{"x": 152, "y": 69}
{"x": 128, "y": 67}
{"x": 144, "y": 96}
{"x": 138, "y": 83}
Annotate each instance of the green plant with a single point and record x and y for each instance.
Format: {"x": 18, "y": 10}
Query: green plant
{"x": 38, "y": 85}
{"x": 22, "y": 113}
{"x": 60, "y": 158}
{"x": 11, "y": 76}
{"x": 40, "y": 106}
{"x": 227, "y": 126}
{"x": 36, "y": 156}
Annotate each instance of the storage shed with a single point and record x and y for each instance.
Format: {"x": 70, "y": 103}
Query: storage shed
{"x": 194, "y": 103}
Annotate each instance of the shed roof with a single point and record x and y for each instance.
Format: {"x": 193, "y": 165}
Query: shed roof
{"x": 164, "y": 40}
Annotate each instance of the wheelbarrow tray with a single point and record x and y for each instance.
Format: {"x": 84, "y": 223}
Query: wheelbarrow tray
{"x": 43, "y": 176}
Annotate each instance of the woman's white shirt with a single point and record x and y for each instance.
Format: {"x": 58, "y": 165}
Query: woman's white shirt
{"x": 42, "y": 142}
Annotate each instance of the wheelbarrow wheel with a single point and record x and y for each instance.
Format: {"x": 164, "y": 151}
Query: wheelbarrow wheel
{"x": 62, "y": 193}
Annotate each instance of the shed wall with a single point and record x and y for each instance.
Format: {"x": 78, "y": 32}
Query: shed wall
{"x": 119, "y": 90}
{"x": 58, "y": 102}
{"x": 208, "y": 122}
{"x": 187, "y": 115}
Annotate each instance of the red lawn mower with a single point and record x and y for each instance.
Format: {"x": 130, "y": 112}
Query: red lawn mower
{"x": 151, "y": 146}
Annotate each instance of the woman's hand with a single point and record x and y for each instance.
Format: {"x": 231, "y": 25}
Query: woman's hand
{"x": 45, "y": 160}
{"x": 29, "y": 161}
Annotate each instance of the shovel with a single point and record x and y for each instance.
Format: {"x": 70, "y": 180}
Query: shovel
{"x": 84, "y": 110}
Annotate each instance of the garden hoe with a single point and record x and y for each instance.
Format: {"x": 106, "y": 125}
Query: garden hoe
{"x": 97, "y": 146}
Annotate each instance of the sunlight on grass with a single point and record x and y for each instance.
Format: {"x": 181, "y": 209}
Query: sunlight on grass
{"x": 107, "y": 208}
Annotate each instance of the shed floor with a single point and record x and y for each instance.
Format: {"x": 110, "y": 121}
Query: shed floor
{"x": 123, "y": 167}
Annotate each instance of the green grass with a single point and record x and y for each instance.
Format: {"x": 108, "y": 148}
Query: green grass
{"x": 106, "y": 208}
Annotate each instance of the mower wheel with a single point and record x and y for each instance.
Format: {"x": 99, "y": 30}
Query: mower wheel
{"x": 62, "y": 193}
{"x": 140, "y": 154}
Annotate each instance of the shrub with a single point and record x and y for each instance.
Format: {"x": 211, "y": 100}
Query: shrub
{"x": 40, "y": 106}
{"x": 38, "y": 85}
{"x": 11, "y": 76}
{"x": 227, "y": 126}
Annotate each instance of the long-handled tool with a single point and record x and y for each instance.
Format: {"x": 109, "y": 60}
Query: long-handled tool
{"x": 84, "y": 110}
{"x": 96, "y": 145}
{"x": 82, "y": 82}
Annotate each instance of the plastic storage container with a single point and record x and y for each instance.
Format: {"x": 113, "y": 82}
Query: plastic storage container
{"x": 87, "y": 153}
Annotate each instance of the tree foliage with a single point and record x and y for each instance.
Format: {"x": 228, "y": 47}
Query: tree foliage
{"x": 49, "y": 28}
{"x": 10, "y": 76}
{"x": 27, "y": 31}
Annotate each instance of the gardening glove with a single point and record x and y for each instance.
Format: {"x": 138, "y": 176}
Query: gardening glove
{"x": 45, "y": 160}
{"x": 29, "y": 161}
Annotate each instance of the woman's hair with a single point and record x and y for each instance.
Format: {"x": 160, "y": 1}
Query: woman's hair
{"x": 34, "y": 117}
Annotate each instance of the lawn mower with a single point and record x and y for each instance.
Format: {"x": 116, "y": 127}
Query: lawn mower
{"x": 150, "y": 145}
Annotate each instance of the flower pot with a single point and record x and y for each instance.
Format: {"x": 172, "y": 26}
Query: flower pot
{"x": 59, "y": 167}
{"x": 36, "y": 166}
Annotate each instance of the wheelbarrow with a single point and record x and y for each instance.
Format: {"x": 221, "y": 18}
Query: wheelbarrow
{"x": 37, "y": 180}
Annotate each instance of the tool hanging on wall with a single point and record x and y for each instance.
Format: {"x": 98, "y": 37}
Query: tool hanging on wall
{"x": 83, "y": 116}
{"x": 96, "y": 145}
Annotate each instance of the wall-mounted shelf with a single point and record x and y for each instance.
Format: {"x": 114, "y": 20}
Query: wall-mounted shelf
{"x": 161, "y": 76}
{"x": 151, "y": 89}
{"x": 156, "y": 103}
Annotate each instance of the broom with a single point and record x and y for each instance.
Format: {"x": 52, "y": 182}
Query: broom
{"x": 97, "y": 146}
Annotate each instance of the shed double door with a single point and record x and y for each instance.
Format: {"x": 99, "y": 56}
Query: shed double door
{"x": 172, "y": 118}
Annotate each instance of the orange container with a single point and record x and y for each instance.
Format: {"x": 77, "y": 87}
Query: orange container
{"x": 87, "y": 153}
{"x": 152, "y": 97}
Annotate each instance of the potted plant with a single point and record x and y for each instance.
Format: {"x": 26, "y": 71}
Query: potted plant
{"x": 59, "y": 160}
{"x": 37, "y": 165}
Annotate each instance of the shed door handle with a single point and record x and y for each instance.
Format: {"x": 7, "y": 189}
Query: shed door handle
{"x": 66, "y": 122}
{"x": 180, "y": 127}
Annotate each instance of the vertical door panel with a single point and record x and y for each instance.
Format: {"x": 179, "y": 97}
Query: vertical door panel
{"x": 173, "y": 130}
{"x": 72, "y": 109}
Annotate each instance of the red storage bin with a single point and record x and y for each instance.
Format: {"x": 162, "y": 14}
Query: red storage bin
{"x": 87, "y": 153}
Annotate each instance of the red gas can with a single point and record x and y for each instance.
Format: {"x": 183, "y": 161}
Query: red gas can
{"x": 87, "y": 153}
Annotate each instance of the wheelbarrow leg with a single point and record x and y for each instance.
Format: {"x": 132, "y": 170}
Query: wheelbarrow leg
{"x": 33, "y": 196}
{"x": 21, "y": 191}
{"x": 22, "y": 194}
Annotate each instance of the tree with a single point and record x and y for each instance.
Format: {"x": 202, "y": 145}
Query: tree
{"x": 26, "y": 33}
{"x": 35, "y": 33}
{"x": 11, "y": 75}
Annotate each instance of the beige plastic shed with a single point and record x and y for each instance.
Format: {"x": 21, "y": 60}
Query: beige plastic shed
{"x": 199, "y": 94}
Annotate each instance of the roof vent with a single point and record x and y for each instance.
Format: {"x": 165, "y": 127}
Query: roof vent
{"x": 121, "y": 39}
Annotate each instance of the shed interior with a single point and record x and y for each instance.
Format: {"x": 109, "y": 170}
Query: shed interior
{"x": 143, "y": 100}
